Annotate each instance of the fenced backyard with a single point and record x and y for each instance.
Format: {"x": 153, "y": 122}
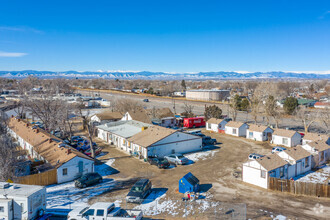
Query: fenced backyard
{"x": 43, "y": 179}
{"x": 299, "y": 188}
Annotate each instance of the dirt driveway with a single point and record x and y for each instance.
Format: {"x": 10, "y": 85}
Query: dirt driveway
{"x": 222, "y": 168}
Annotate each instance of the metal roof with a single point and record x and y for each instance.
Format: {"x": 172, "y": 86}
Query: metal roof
{"x": 18, "y": 190}
{"x": 124, "y": 129}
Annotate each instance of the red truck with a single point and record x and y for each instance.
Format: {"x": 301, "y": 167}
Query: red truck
{"x": 194, "y": 122}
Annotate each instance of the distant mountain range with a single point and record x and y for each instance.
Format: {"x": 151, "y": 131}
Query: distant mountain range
{"x": 161, "y": 75}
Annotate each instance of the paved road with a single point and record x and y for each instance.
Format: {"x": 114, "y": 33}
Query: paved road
{"x": 198, "y": 109}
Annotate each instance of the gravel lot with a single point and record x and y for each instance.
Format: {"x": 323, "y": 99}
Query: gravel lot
{"x": 220, "y": 170}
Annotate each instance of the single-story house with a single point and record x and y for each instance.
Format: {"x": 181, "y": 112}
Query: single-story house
{"x": 137, "y": 115}
{"x": 160, "y": 141}
{"x": 288, "y": 138}
{"x": 106, "y": 117}
{"x": 257, "y": 172}
{"x": 259, "y": 132}
{"x": 236, "y": 128}
{"x": 159, "y": 113}
{"x": 299, "y": 160}
{"x": 68, "y": 162}
{"x": 314, "y": 137}
{"x": 118, "y": 132}
{"x": 320, "y": 152}
{"x": 216, "y": 125}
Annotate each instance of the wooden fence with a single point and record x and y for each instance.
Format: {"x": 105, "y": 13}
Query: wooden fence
{"x": 43, "y": 179}
{"x": 299, "y": 188}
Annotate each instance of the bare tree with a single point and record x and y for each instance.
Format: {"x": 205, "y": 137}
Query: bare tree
{"x": 188, "y": 110}
{"x": 307, "y": 117}
{"x": 323, "y": 116}
{"x": 125, "y": 105}
{"x": 234, "y": 106}
{"x": 8, "y": 153}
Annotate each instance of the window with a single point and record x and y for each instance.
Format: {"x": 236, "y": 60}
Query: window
{"x": 2, "y": 209}
{"x": 89, "y": 212}
{"x": 65, "y": 171}
{"x": 263, "y": 174}
{"x": 234, "y": 131}
{"x": 250, "y": 134}
{"x": 306, "y": 162}
{"x": 322, "y": 156}
{"x": 100, "y": 212}
{"x": 285, "y": 141}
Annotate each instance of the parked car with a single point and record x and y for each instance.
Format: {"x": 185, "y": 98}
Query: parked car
{"x": 88, "y": 152}
{"x": 159, "y": 162}
{"x": 207, "y": 140}
{"x": 104, "y": 211}
{"x": 200, "y": 134}
{"x": 140, "y": 190}
{"x": 88, "y": 179}
{"x": 177, "y": 159}
{"x": 146, "y": 100}
{"x": 254, "y": 156}
{"x": 76, "y": 139}
{"x": 278, "y": 149}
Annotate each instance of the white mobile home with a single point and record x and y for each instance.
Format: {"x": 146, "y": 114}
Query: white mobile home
{"x": 18, "y": 201}
{"x": 236, "y": 128}
{"x": 259, "y": 132}
{"x": 160, "y": 141}
{"x": 106, "y": 117}
{"x": 299, "y": 160}
{"x": 320, "y": 152}
{"x": 118, "y": 132}
{"x": 257, "y": 172}
{"x": 216, "y": 125}
{"x": 285, "y": 137}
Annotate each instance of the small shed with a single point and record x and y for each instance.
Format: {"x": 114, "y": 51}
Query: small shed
{"x": 188, "y": 183}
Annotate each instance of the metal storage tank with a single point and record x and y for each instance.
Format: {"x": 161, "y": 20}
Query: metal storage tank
{"x": 208, "y": 95}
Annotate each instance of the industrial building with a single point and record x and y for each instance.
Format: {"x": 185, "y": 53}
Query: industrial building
{"x": 208, "y": 95}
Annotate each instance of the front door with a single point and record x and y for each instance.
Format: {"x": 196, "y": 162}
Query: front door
{"x": 269, "y": 136}
{"x": 299, "y": 165}
{"x": 81, "y": 167}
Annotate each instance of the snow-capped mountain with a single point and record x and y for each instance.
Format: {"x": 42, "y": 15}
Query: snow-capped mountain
{"x": 161, "y": 75}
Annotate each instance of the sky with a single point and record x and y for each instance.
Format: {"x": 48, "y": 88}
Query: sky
{"x": 169, "y": 36}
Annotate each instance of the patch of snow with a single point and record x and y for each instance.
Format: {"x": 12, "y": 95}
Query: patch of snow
{"x": 279, "y": 217}
{"x": 67, "y": 196}
{"x": 319, "y": 176}
{"x": 105, "y": 169}
{"x": 202, "y": 155}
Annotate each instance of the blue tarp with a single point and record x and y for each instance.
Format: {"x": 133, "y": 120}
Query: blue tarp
{"x": 188, "y": 183}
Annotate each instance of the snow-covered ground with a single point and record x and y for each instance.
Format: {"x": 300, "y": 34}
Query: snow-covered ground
{"x": 67, "y": 196}
{"x": 319, "y": 176}
{"x": 201, "y": 155}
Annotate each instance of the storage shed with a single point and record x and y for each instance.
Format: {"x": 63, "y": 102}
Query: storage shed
{"x": 188, "y": 183}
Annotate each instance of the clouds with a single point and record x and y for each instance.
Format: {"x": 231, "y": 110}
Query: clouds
{"x": 12, "y": 54}
{"x": 324, "y": 15}
{"x": 20, "y": 29}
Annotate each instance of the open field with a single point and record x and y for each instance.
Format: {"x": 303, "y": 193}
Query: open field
{"x": 220, "y": 170}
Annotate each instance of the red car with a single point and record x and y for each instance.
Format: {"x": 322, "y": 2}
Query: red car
{"x": 89, "y": 153}
{"x": 194, "y": 122}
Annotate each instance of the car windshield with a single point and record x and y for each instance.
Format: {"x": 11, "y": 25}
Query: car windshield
{"x": 180, "y": 157}
{"x": 136, "y": 189}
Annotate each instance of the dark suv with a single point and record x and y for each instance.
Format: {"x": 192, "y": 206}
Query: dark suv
{"x": 88, "y": 179}
{"x": 159, "y": 162}
{"x": 139, "y": 191}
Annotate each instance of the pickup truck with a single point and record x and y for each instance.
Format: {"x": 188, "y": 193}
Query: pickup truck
{"x": 104, "y": 211}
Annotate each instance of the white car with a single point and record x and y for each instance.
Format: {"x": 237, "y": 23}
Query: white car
{"x": 278, "y": 149}
{"x": 254, "y": 156}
